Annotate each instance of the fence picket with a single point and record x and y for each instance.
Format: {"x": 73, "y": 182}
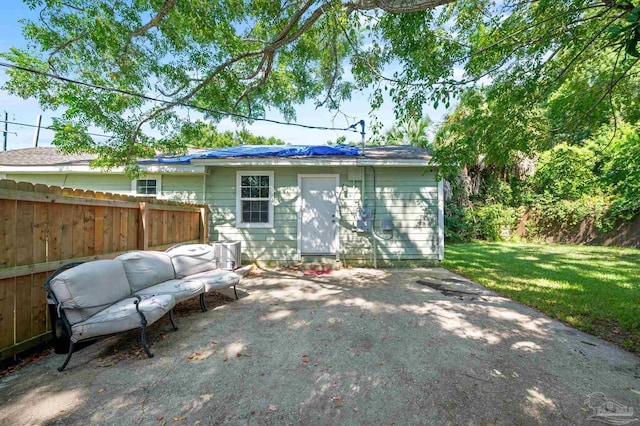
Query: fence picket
{"x": 41, "y": 227}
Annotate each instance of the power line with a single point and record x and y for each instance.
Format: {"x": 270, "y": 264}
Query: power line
{"x": 164, "y": 101}
{"x": 51, "y": 128}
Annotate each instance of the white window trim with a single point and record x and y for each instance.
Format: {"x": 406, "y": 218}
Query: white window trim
{"x": 157, "y": 178}
{"x": 239, "y": 175}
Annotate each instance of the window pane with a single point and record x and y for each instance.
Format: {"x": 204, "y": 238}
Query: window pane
{"x": 252, "y": 189}
{"x": 146, "y": 186}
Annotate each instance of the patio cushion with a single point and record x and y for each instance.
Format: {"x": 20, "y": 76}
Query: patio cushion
{"x": 99, "y": 283}
{"x": 190, "y": 259}
{"x": 122, "y": 316}
{"x": 179, "y": 289}
{"x": 146, "y": 268}
{"x": 216, "y": 279}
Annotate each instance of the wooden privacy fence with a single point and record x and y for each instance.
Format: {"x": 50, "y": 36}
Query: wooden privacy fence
{"x": 42, "y": 228}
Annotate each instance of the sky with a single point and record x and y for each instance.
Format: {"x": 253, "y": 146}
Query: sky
{"x": 26, "y": 110}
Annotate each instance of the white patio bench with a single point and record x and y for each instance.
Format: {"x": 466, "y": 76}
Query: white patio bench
{"x": 105, "y": 297}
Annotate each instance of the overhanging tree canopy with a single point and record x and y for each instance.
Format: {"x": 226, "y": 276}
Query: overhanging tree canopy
{"x": 245, "y": 57}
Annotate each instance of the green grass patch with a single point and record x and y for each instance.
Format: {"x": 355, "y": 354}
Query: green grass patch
{"x": 595, "y": 289}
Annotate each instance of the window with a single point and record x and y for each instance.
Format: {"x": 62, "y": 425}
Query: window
{"x": 254, "y": 201}
{"x": 148, "y": 187}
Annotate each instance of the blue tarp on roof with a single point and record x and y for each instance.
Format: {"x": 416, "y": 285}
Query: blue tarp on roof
{"x": 244, "y": 151}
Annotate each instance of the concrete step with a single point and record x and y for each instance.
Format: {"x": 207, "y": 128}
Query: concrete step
{"x": 320, "y": 266}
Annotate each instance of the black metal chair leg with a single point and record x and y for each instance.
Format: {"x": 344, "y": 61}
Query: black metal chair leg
{"x": 66, "y": 361}
{"x": 143, "y": 339}
{"x": 173, "y": 323}
{"x": 203, "y": 305}
{"x": 234, "y": 292}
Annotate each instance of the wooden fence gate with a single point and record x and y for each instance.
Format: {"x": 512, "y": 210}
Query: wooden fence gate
{"x": 42, "y": 228}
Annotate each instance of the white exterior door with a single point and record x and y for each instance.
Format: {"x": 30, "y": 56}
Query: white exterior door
{"x": 318, "y": 215}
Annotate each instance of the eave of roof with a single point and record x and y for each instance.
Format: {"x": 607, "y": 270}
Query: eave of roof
{"x": 50, "y": 160}
{"x": 381, "y": 156}
{"x": 311, "y": 161}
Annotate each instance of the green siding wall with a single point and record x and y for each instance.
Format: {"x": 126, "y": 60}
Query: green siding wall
{"x": 404, "y": 195}
{"x": 187, "y": 188}
{"x": 104, "y": 182}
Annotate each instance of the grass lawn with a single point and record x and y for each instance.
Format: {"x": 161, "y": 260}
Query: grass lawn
{"x": 595, "y": 289}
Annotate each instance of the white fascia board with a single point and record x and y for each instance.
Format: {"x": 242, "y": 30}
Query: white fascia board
{"x": 165, "y": 168}
{"x": 271, "y": 162}
{"x": 146, "y": 168}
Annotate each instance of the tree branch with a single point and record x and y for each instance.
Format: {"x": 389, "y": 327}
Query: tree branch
{"x": 166, "y": 8}
{"x": 394, "y": 6}
{"x": 280, "y": 41}
{"x": 587, "y": 44}
{"x": 263, "y": 80}
{"x": 64, "y": 46}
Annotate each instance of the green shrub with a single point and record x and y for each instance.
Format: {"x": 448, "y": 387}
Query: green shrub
{"x": 565, "y": 173}
{"x": 621, "y": 171}
{"x": 548, "y": 213}
{"x": 494, "y": 222}
{"x": 497, "y": 191}
{"x": 456, "y": 228}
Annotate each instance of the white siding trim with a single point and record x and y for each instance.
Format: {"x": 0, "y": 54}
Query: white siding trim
{"x": 239, "y": 175}
{"x": 440, "y": 219}
{"x": 336, "y": 242}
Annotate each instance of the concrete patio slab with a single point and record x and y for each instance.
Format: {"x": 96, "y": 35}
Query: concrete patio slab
{"x": 355, "y": 346}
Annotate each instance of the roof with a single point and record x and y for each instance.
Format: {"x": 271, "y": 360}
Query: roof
{"x": 397, "y": 152}
{"x": 51, "y": 157}
{"x": 381, "y": 156}
{"x": 42, "y": 156}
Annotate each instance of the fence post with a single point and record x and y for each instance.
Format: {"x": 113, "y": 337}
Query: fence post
{"x": 143, "y": 227}
{"x": 204, "y": 225}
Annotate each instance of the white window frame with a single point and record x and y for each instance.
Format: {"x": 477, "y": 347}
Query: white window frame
{"x": 157, "y": 178}
{"x": 239, "y": 199}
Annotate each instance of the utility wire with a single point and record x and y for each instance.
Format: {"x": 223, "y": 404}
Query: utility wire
{"x": 164, "y": 101}
{"x": 50, "y": 128}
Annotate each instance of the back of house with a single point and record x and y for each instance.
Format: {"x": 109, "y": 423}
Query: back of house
{"x": 286, "y": 205}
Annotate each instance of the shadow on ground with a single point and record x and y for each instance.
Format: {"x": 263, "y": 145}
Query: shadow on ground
{"x": 353, "y": 346}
